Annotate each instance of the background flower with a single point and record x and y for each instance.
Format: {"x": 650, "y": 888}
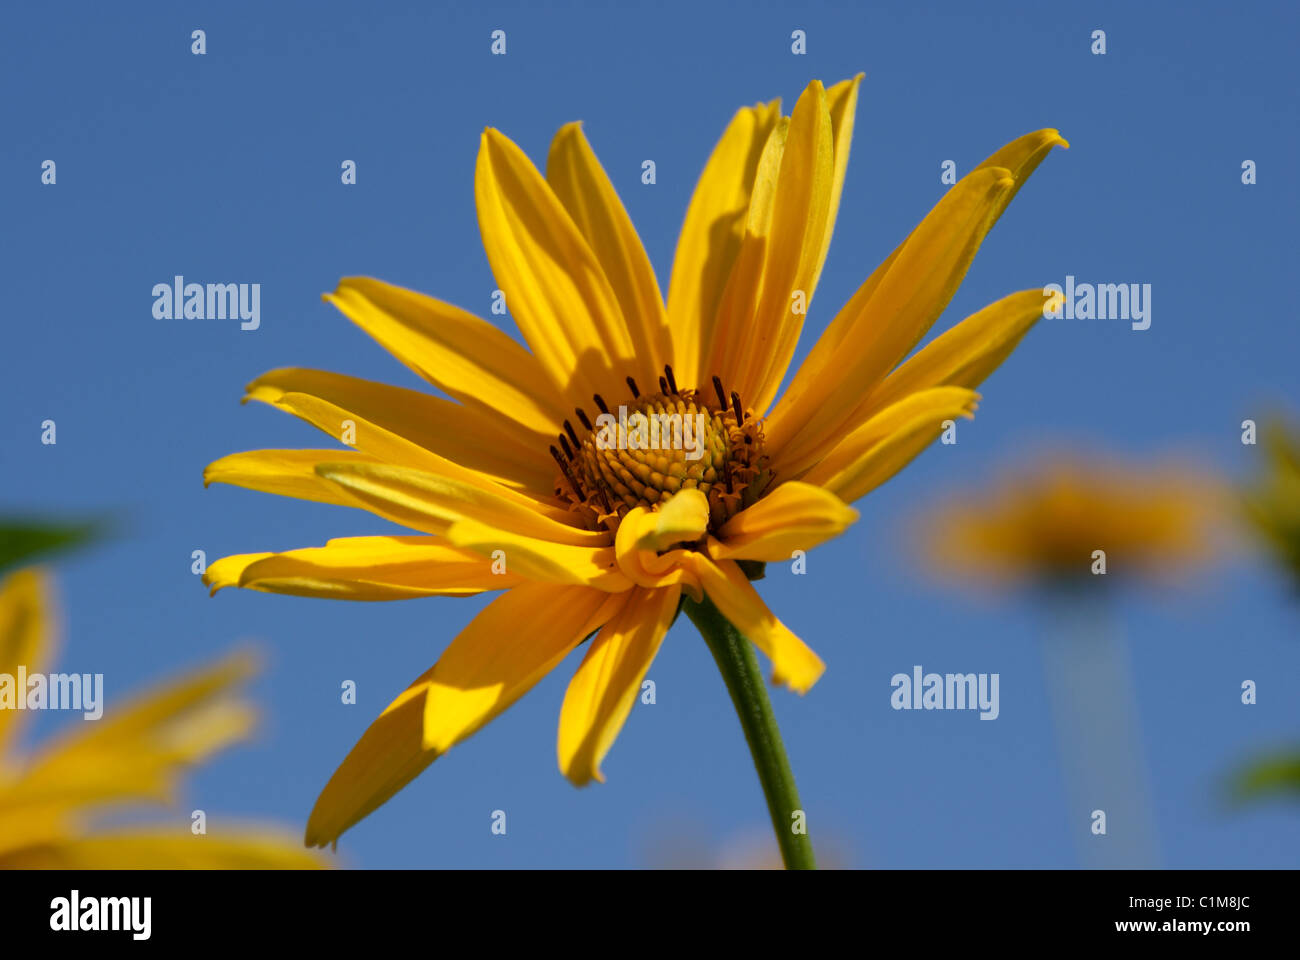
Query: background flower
{"x": 53, "y": 800}
{"x": 1042, "y": 523}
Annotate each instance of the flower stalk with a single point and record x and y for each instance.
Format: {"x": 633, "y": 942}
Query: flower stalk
{"x": 739, "y": 667}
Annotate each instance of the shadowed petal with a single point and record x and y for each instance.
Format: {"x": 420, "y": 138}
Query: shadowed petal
{"x": 606, "y": 684}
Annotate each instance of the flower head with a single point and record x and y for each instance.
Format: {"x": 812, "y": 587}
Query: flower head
{"x": 541, "y": 475}
{"x": 1068, "y": 519}
{"x": 130, "y": 756}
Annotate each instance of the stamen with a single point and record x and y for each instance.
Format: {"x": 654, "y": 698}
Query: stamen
{"x": 722, "y": 396}
{"x": 603, "y": 483}
{"x": 564, "y": 469}
{"x": 672, "y": 381}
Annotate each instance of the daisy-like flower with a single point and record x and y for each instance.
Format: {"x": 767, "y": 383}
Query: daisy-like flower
{"x": 518, "y": 481}
{"x": 134, "y": 754}
{"x": 1045, "y": 522}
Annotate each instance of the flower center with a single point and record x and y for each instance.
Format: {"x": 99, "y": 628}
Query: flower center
{"x": 650, "y": 447}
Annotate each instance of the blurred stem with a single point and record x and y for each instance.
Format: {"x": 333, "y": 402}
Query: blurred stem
{"x": 1092, "y": 691}
{"x": 739, "y": 667}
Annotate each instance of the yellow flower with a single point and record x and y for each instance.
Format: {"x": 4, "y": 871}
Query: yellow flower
{"x": 518, "y": 482}
{"x": 132, "y": 754}
{"x": 1045, "y": 522}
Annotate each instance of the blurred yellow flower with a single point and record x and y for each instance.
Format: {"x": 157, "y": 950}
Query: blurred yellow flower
{"x": 1069, "y": 518}
{"x": 132, "y": 755}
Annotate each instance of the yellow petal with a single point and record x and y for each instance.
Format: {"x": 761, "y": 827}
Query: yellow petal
{"x": 454, "y": 350}
{"x": 26, "y": 632}
{"x": 1022, "y": 157}
{"x": 725, "y": 351}
{"x": 682, "y": 519}
{"x": 138, "y": 750}
{"x": 859, "y": 329}
{"x": 503, "y": 652}
{"x": 228, "y": 571}
{"x": 541, "y": 560}
{"x": 463, "y": 435}
{"x": 373, "y": 440}
{"x": 606, "y": 684}
{"x": 964, "y": 355}
{"x": 758, "y": 338}
{"x": 431, "y": 503}
{"x": 287, "y": 473}
{"x": 793, "y": 664}
{"x": 885, "y": 325}
{"x": 582, "y": 186}
{"x": 168, "y": 848}
{"x": 646, "y": 567}
{"x": 711, "y": 236}
{"x": 890, "y": 441}
{"x": 364, "y": 568}
{"x": 794, "y": 516}
{"x": 811, "y": 171}
{"x": 842, "y": 103}
{"x": 554, "y": 285}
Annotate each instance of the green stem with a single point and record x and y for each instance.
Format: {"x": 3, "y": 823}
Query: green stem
{"x": 739, "y": 667}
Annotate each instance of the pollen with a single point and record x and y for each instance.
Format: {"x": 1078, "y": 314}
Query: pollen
{"x": 652, "y": 446}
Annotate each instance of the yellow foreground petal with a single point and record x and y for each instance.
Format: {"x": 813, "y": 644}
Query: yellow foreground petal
{"x": 901, "y": 299}
{"x": 373, "y": 440}
{"x": 554, "y": 285}
{"x": 606, "y": 684}
{"x": 646, "y": 567}
{"x": 711, "y": 235}
{"x": 287, "y": 473}
{"x": 540, "y": 560}
{"x": 794, "y": 516}
{"x": 842, "y": 103}
{"x": 758, "y": 332}
{"x": 890, "y": 440}
{"x": 364, "y": 568}
{"x": 582, "y": 186}
{"x": 793, "y": 664}
{"x": 432, "y": 503}
{"x": 964, "y": 355}
{"x": 886, "y": 320}
{"x": 682, "y": 519}
{"x": 497, "y": 658}
{"x": 464, "y": 435}
{"x": 454, "y": 350}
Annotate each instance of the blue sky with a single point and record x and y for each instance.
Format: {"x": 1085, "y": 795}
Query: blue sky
{"x": 225, "y": 168}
